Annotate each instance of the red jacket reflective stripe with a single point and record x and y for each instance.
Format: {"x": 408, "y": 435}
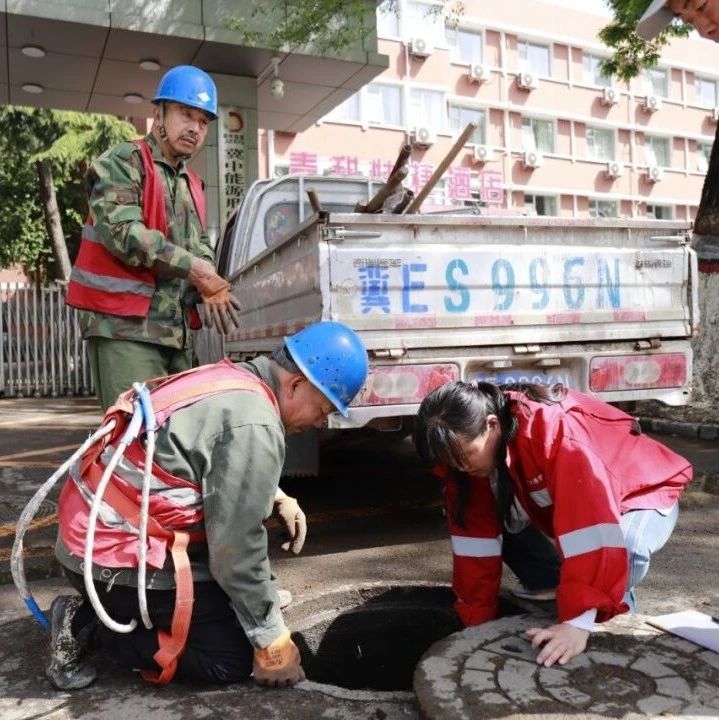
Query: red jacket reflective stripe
{"x": 101, "y": 282}
{"x": 576, "y": 467}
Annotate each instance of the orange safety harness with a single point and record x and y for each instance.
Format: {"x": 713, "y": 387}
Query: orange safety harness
{"x": 167, "y": 395}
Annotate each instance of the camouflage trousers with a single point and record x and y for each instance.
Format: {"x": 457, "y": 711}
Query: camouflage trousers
{"x": 116, "y": 364}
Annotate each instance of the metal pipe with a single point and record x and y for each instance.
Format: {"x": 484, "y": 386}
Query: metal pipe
{"x": 442, "y": 167}
{"x": 375, "y": 204}
{"x": 399, "y": 208}
{"x": 314, "y": 200}
{"x": 35, "y": 346}
{"x": 53, "y": 325}
{"x": 3, "y": 333}
{"x": 402, "y": 159}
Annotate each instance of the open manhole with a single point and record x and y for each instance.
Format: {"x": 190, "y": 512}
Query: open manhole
{"x": 371, "y": 637}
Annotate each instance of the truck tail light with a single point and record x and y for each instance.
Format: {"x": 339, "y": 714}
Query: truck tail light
{"x": 637, "y": 372}
{"x": 397, "y": 385}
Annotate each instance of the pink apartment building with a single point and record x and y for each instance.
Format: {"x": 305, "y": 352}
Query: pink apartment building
{"x": 554, "y": 137}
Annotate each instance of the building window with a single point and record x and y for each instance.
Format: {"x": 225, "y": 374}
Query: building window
{"x": 422, "y": 20}
{"x": 459, "y": 117}
{"x": 656, "y": 82}
{"x": 388, "y": 19}
{"x": 603, "y": 208}
{"x": 382, "y": 104}
{"x": 537, "y": 135}
{"x": 600, "y": 143}
{"x": 464, "y": 46}
{"x": 704, "y": 151}
{"x": 593, "y": 73}
{"x": 533, "y": 58}
{"x": 347, "y": 111}
{"x": 540, "y": 204}
{"x": 657, "y": 151}
{"x": 706, "y": 92}
{"x": 427, "y": 105}
{"x": 660, "y": 212}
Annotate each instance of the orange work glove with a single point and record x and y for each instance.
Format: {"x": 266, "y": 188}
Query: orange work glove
{"x": 221, "y": 307}
{"x": 279, "y": 664}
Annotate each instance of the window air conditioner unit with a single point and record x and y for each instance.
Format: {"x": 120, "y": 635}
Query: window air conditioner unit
{"x": 423, "y": 137}
{"x": 654, "y": 173}
{"x": 714, "y": 115}
{"x": 526, "y": 81}
{"x": 483, "y": 153}
{"x": 420, "y": 47}
{"x": 652, "y": 103}
{"x": 532, "y": 159}
{"x": 614, "y": 169}
{"x": 610, "y": 96}
{"x": 478, "y": 73}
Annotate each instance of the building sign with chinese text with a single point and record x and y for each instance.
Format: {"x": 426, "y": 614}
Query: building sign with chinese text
{"x": 459, "y": 183}
{"x": 231, "y": 159}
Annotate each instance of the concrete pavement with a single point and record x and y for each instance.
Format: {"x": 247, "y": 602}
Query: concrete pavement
{"x": 335, "y": 584}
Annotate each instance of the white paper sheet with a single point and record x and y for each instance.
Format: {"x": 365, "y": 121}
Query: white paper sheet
{"x": 692, "y": 625}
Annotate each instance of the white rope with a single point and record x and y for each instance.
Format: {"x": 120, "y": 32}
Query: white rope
{"x": 17, "y": 565}
{"x": 145, "y": 403}
{"x": 130, "y": 434}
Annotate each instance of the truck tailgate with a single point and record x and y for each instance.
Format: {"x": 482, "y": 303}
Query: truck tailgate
{"x": 476, "y": 284}
{"x": 454, "y": 281}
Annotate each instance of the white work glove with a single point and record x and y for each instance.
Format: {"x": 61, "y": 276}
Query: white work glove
{"x": 288, "y": 511}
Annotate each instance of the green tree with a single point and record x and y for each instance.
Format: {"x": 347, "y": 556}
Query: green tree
{"x": 68, "y": 140}
{"x": 630, "y": 53}
{"x": 326, "y": 26}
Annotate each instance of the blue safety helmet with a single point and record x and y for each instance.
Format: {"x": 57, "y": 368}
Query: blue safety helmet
{"x": 188, "y": 85}
{"x": 333, "y": 358}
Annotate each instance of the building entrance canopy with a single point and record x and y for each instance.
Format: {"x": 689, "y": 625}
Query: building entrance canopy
{"x": 107, "y": 56}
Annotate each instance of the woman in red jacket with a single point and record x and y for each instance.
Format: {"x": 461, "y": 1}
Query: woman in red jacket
{"x": 576, "y": 469}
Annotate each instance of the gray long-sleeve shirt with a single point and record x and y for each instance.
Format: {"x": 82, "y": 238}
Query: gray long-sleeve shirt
{"x": 233, "y": 446}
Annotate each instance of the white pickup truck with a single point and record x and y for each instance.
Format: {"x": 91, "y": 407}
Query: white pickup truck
{"x": 607, "y": 306}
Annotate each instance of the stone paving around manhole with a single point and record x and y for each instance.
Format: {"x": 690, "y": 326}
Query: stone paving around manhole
{"x": 630, "y": 670}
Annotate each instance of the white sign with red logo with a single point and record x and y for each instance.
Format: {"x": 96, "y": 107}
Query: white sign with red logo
{"x": 231, "y": 159}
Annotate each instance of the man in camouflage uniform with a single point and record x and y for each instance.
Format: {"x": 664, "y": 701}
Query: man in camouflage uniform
{"x": 123, "y": 262}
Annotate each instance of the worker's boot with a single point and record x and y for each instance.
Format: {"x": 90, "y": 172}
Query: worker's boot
{"x": 67, "y": 670}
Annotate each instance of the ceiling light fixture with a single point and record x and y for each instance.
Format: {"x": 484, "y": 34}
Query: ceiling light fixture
{"x": 277, "y": 87}
{"x": 33, "y": 51}
{"x": 133, "y": 98}
{"x": 149, "y": 64}
{"x": 32, "y": 88}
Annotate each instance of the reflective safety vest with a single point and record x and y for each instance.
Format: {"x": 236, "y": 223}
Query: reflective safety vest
{"x": 175, "y": 510}
{"x": 101, "y": 282}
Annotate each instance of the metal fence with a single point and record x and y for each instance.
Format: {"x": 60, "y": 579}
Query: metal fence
{"x": 42, "y": 352}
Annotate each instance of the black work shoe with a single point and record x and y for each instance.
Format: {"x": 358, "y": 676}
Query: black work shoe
{"x": 66, "y": 669}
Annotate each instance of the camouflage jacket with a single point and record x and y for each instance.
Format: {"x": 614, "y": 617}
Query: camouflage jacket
{"x": 114, "y": 189}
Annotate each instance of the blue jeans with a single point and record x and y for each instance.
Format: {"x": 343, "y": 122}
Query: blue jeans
{"x": 645, "y": 532}
{"x": 532, "y": 557}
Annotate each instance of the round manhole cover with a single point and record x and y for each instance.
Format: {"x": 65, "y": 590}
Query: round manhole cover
{"x": 11, "y": 507}
{"x": 628, "y": 670}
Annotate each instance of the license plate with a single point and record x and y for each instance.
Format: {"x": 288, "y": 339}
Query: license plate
{"x": 524, "y": 376}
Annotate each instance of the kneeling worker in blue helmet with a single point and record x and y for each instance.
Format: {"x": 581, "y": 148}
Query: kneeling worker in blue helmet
{"x": 203, "y": 605}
